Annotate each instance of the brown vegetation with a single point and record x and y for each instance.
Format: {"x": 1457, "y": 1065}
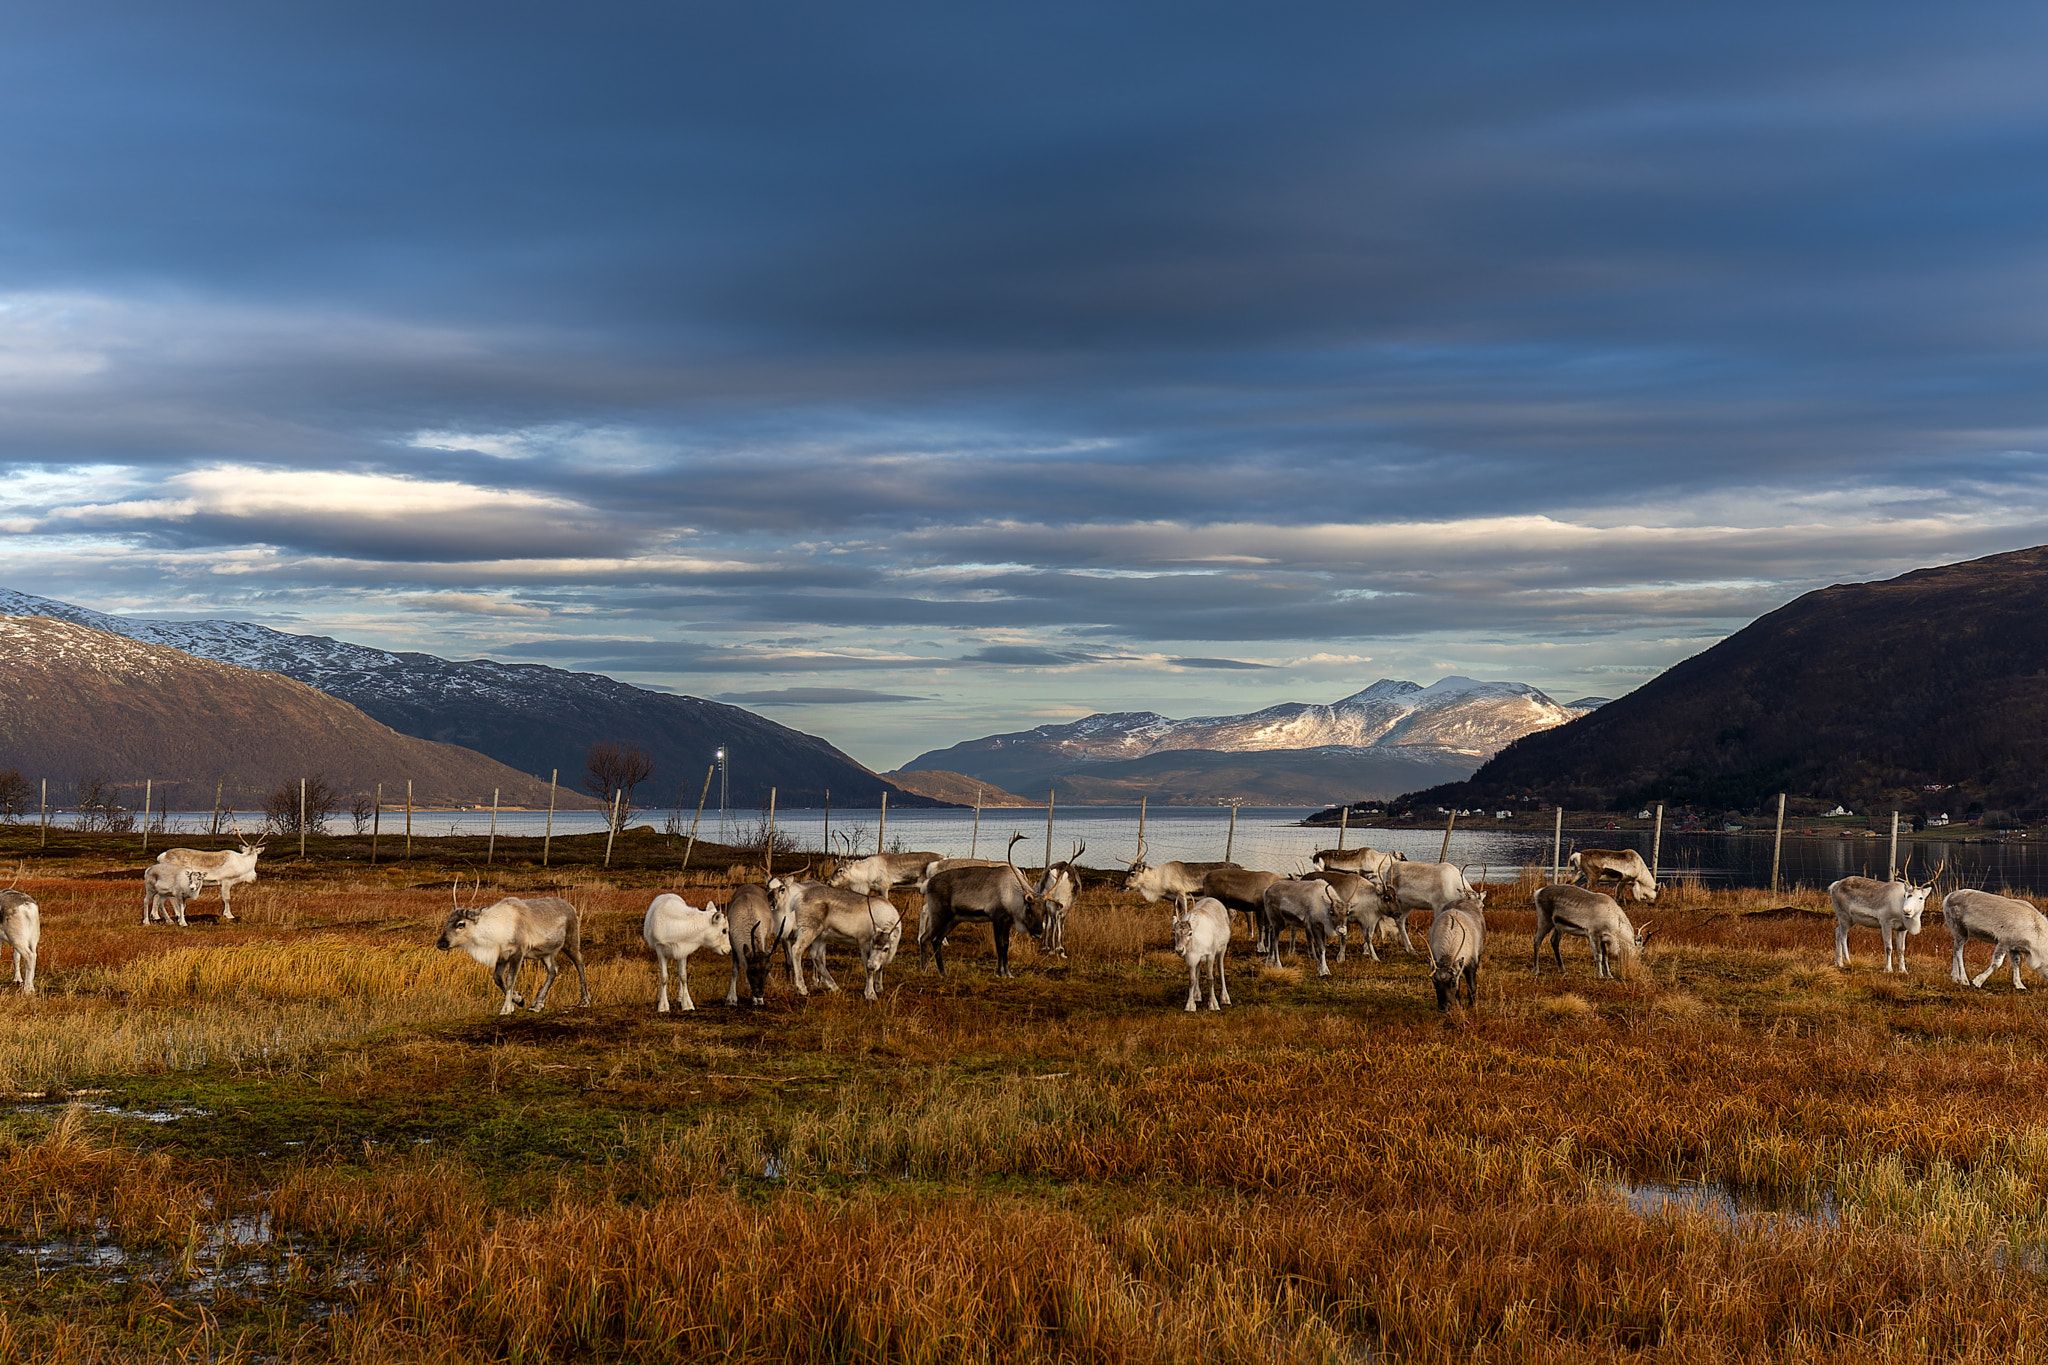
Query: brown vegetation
{"x": 1743, "y": 1154}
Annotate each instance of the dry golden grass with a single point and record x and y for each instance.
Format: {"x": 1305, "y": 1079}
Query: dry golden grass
{"x": 1063, "y": 1166}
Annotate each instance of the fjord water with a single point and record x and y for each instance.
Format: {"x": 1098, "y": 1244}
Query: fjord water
{"x": 1270, "y": 837}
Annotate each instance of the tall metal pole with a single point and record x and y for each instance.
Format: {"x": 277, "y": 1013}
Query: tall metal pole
{"x": 1557, "y": 848}
{"x": 768, "y": 854}
{"x": 408, "y": 819}
{"x": 1893, "y": 874}
{"x": 376, "y": 822}
{"x": 612, "y": 827}
{"x": 1657, "y": 843}
{"x": 547, "y": 840}
{"x": 1048, "y": 826}
{"x": 1778, "y": 844}
{"x": 691, "y": 847}
{"x": 1443, "y": 854}
{"x": 1230, "y": 839}
{"x": 302, "y": 817}
{"x": 149, "y": 784}
{"x": 491, "y": 849}
{"x": 974, "y": 843}
{"x": 882, "y": 828}
{"x": 1343, "y": 824}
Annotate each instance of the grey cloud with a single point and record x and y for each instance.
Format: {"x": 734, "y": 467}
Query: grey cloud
{"x": 1215, "y": 663}
{"x": 814, "y": 696}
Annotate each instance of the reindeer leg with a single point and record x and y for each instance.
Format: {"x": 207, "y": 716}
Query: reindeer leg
{"x": 661, "y": 961}
{"x": 1998, "y": 955}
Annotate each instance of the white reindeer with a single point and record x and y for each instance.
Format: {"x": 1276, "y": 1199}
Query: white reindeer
{"x": 1591, "y": 915}
{"x": 1201, "y": 937}
{"x": 674, "y": 929}
{"x": 172, "y": 884}
{"x": 504, "y": 935}
{"x": 1892, "y": 908}
{"x": 2014, "y": 928}
{"x": 21, "y": 927}
{"x": 223, "y": 869}
{"x": 1457, "y": 940}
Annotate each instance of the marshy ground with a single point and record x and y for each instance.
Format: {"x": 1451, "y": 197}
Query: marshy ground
{"x": 306, "y": 1136}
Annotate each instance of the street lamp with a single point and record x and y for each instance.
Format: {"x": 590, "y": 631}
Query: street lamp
{"x": 721, "y": 795}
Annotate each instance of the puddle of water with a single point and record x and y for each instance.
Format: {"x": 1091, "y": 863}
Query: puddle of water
{"x": 1724, "y": 1204}
{"x": 115, "y": 1111}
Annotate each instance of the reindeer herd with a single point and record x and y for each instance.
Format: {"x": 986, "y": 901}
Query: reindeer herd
{"x": 849, "y": 907}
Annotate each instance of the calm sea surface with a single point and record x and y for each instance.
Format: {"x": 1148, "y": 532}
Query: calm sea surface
{"x": 1265, "y": 836}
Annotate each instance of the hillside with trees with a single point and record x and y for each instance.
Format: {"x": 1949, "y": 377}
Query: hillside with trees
{"x": 1871, "y": 694}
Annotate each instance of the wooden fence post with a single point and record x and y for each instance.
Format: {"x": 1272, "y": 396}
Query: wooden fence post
{"x": 491, "y": 849}
{"x": 548, "y": 839}
{"x": 376, "y": 822}
{"x": 1778, "y": 844}
{"x": 408, "y": 819}
{"x": 1656, "y": 843}
{"x": 612, "y": 830}
{"x": 1557, "y": 848}
{"x": 1444, "y": 854}
{"x": 692, "y": 846}
{"x": 149, "y": 784}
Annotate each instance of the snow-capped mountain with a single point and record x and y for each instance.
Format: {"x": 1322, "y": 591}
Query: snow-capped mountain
{"x": 1454, "y": 724}
{"x": 529, "y": 716}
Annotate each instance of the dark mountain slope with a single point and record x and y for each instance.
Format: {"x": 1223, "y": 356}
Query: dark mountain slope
{"x": 529, "y": 716}
{"x": 1864, "y": 693}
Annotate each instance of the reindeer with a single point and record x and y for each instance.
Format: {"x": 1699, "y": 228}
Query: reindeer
{"x": 21, "y": 928}
{"x": 1892, "y": 908}
{"x": 1310, "y": 904}
{"x": 1597, "y": 918}
{"x": 169, "y": 883}
{"x": 1407, "y": 887}
{"x": 807, "y": 914}
{"x": 1167, "y": 879}
{"x": 1358, "y": 901}
{"x": 1201, "y": 938}
{"x": 1624, "y": 865}
{"x": 674, "y": 929}
{"x": 1358, "y": 860}
{"x": 750, "y": 920}
{"x": 876, "y": 874}
{"x": 1457, "y": 939}
{"x": 504, "y": 935}
{"x": 223, "y": 869}
{"x": 1059, "y": 887}
{"x": 999, "y": 895}
{"x": 2014, "y": 928}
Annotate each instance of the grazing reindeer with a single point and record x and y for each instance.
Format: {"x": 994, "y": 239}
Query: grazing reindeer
{"x": 1358, "y": 901}
{"x": 1892, "y": 908}
{"x": 999, "y": 895}
{"x": 172, "y": 884}
{"x": 1625, "y": 865}
{"x": 1356, "y": 860}
{"x": 876, "y": 874}
{"x": 1059, "y": 887}
{"x": 2014, "y": 928}
{"x": 750, "y": 920}
{"x": 808, "y": 914}
{"x": 1167, "y": 879}
{"x": 21, "y": 927}
{"x": 1592, "y": 916}
{"x": 1310, "y": 904}
{"x": 674, "y": 929}
{"x": 1457, "y": 939}
{"x": 1201, "y": 938}
{"x": 504, "y": 935}
{"x": 1407, "y": 887}
{"x": 222, "y": 869}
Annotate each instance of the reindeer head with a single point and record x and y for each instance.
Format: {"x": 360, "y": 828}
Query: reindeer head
{"x": 1138, "y": 866}
{"x": 1183, "y": 923}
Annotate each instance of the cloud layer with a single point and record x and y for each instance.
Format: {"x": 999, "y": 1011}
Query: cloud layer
{"x": 1021, "y": 362}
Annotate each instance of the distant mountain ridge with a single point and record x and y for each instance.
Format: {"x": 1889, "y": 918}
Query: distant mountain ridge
{"x": 85, "y": 703}
{"x": 1391, "y": 732}
{"x": 1870, "y": 694}
{"x": 528, "y": 716}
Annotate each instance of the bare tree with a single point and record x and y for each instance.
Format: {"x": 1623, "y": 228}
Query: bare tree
{"x": 16, "y": 796}
{"x": 611, "y": 771}
{"x": 281, "y": 807}
{"x": 361, "y": 810}
{"x": 100, "y": 809}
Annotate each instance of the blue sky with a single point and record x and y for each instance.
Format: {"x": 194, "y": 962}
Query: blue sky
{"x": 917, "y": 371}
